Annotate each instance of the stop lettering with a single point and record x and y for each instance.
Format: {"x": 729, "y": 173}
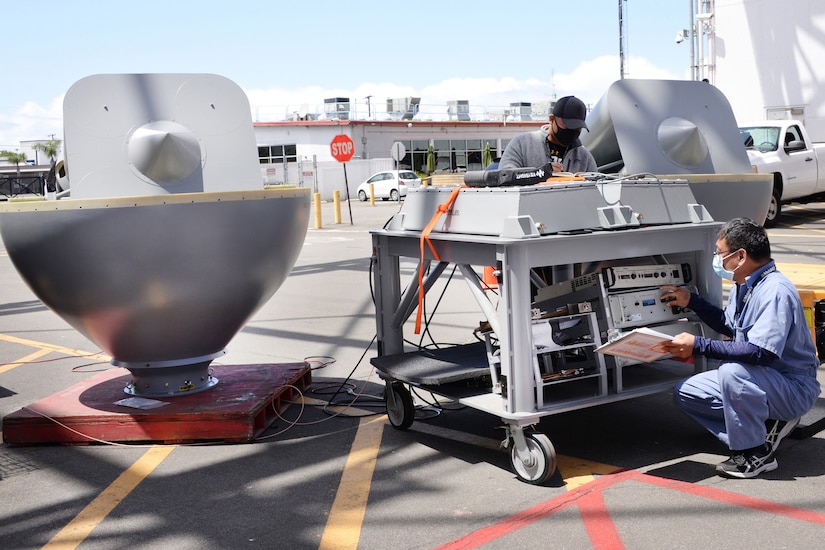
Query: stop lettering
{"x": 342, "y": 148}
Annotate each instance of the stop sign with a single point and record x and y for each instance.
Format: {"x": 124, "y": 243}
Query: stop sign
{"x": 342, "y": 148}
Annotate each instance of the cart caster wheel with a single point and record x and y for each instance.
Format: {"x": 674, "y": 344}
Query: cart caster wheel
{"x": 539, "y": 463}
{"x": 400, "y": 407}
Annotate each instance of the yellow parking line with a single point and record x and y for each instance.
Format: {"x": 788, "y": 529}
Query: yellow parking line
{"x": 90, "y": 517}
{"x": 346, "y": 516}
{"x": 803, "y": 276}
{"x": 577, "y": 472}
{"x": 574, "y": 471}
{"x": 48, "y": 348}
{"x": 23, "y": 360}
{"x": 775, "y": 233}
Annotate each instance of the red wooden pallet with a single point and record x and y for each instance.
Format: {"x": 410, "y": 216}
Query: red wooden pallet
{"x": 243, "y": 404}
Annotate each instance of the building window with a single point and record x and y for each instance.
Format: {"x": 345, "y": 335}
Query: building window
{"x": 451, "y": 155}
{"x": 277, "y": 154}
{"x": 419, "y": 148}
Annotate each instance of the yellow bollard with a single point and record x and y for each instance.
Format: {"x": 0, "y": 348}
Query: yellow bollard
{"x": 336, "y": 202}
{"x": 317, "y": 204}
{"x": 372, "y": 194}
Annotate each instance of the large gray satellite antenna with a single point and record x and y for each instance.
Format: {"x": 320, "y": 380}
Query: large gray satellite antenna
{"x": 169, "y": 242}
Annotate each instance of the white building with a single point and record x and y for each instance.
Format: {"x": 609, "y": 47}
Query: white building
{"x": 766, "y": 56}
{"x": 298, "y": 152}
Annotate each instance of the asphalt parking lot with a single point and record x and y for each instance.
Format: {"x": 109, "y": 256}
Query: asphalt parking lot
{"x": 633, "y": 474}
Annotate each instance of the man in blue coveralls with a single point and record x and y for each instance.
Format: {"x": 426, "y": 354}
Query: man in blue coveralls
{"x": 766, "y": 378}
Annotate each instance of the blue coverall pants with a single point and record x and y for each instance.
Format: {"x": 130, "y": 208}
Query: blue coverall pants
{"x": 734, "y": 401}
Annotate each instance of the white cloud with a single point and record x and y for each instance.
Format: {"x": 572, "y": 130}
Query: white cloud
{"x": 589, "y": 81}
{"x": 31, "y": 121}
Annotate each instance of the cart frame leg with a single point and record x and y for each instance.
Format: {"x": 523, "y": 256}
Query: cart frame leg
{"x": 533, "y": 461}
{"x": 515, "y": 436}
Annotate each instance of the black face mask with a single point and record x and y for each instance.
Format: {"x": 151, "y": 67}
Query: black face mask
{"x": 566, "y": 136}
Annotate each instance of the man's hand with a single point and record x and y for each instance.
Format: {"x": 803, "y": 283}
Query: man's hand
{"x": 674, "y": 295}
{"x": 681, "y": 345}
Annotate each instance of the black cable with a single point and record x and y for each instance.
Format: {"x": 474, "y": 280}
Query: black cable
{"x": 357, "y": 364}
{"x": 420, "y": 345}
{"x": 436, "y": 403}
{"x": 427, "y": 317}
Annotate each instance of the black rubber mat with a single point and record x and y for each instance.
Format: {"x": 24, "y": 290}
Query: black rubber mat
{"x": 436, "y": 367}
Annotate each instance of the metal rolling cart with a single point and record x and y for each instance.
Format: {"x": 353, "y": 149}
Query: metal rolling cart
{"x": 520, "y": 229}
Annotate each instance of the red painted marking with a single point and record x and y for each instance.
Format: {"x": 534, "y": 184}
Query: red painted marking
{"x": 596, "y": 517}
{"x": 597, "y": 522}
{"x": 735, "y": 499}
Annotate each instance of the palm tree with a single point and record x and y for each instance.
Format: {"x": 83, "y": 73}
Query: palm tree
{"x": 16, "y": 158}
{"x": 50, "y": 148}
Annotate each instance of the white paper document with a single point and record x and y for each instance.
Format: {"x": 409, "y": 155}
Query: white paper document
{"x": 642, "y": 344}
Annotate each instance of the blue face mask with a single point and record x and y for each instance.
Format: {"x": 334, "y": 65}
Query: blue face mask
{"x": 720, "y": 270}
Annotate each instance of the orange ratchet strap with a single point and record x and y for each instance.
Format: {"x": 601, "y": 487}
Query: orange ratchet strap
{"x": 560, "y": 179}
{"x": 425, "y": 238}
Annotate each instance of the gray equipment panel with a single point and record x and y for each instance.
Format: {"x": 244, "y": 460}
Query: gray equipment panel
{"x": 552, "y": 208}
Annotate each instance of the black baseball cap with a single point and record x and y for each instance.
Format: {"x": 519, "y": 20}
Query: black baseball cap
{"x": 572, "y": 110}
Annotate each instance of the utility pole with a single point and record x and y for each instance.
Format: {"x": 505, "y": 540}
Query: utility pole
{"x": 622, "y": 40}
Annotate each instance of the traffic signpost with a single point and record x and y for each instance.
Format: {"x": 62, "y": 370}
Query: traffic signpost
{"x": 342, "y": 149}
{"x": 397, "y": 152}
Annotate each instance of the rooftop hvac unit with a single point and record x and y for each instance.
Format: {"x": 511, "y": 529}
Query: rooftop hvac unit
{"x": 337, "y": 108}
{"x": 404, "y": 108}
{"x": 459, "y": 109}
{"x": 521, "y": 110}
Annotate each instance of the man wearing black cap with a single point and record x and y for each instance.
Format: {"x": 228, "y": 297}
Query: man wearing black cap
{"x": 556, "y": 143}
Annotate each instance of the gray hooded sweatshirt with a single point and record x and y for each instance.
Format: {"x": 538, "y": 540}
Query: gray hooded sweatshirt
{"x": 528, "y": 150}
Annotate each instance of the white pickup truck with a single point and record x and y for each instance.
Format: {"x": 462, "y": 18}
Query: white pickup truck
{"x": 783, "y": 148}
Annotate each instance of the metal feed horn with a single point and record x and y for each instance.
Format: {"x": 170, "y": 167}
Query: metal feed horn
{"x": 168, "y": 242}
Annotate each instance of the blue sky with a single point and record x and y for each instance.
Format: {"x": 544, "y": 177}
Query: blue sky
{"x": 285, "y": 54}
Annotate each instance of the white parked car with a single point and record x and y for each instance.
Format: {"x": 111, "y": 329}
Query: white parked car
{"x": 390, "y": 184}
